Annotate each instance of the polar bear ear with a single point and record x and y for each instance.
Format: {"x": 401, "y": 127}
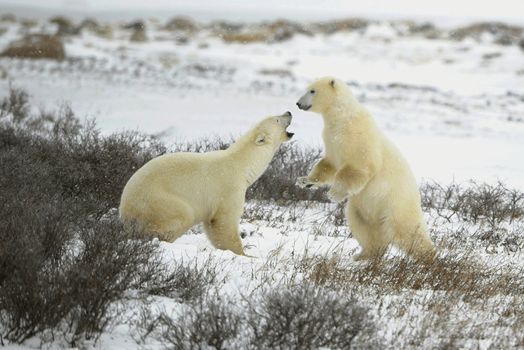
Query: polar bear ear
{"x": 332, "y": 83}
{"x": 260, "y": 139}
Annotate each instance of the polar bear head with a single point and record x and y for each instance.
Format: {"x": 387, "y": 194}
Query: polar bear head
{"x": 323, "y": 94}
{"x": 272, "y": 131}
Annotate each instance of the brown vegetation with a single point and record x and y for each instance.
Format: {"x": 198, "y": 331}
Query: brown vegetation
{"x": 36, "y": 46}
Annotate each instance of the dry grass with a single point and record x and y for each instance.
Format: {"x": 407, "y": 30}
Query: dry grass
{"x": 456, "y": 301}
{"x": 36, "y": 46}
{"x": 449, "y": 272}
{"x": 244, "y": 38}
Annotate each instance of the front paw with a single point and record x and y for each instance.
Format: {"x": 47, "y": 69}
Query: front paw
{"x": 305, "y": 182}
{"x": 336, "y": 195}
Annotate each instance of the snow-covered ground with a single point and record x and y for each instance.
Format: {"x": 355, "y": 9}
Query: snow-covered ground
{"x": 454, "y": 108}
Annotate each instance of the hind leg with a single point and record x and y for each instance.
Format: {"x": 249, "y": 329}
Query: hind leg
{"x": 412, "y": 237}
{"x": 372, "y": 237}
{"x": 171, "y": 219}
{"x": 223, "y": 232}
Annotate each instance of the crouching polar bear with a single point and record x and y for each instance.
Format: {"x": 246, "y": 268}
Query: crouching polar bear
{"x": 173, "y": 192}
{"x": 362, "y": 164}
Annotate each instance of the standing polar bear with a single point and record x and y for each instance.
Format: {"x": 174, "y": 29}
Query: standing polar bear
{"x": 362, "y": 164}
{"x": 173, "y": 192}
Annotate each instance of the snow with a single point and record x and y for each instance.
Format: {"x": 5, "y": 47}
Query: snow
{"x": 455, "y": 114}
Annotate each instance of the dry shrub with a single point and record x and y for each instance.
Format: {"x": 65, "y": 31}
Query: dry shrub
{"x": 101, "y": 30}
{"x": 268, "y": 32}
{"x": 184, "y": 24}
{"x": 15, "y": 106}
{"x": 36, "y": 46}
{"x": 7, "y": 17}
{"x": 64, "y": 24}
{"x": 208, "y": 323}
{"x": 139, "y": 35}
{"x": 503, "y": 33}
{"x": 306, "y": 317}
{"x": 245, "y": 38}
{"x": 187, "y": 282}
{"x": 449, "y": 272}
{"x": 288, "y": 317}
{"x": 62, "y": 277}
{"x": 425, "y": 29}
{"x": 82, "y": 163}
{"x": 282, "y": 30}
{"x": 62, "y": 265}
{"x": 348, "y": 24}
{"x": 476, "y": 203}
{"x": 279, "y": 180}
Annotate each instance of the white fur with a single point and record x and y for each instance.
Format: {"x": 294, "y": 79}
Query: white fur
{"x": 175, "y": 191}
{"x": 361, "y": 164}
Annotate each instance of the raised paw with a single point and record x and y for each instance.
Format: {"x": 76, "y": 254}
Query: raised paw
{"x": 305, "y": 182}
{"x": 336, "y": 195}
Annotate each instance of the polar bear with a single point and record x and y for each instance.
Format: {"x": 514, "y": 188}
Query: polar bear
{"x": 361, "y": 164}
{"x": 173, "y": 192}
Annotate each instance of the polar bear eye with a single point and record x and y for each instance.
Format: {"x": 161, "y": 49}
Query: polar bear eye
{"x": 312, "y": 91}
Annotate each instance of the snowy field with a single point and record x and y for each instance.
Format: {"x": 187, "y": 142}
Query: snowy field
{"x": 454, "y": 106}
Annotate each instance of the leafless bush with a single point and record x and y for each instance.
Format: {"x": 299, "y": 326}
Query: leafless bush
{"x": 306, "y": 317}
{"x": 82, "y": 163}
{"x": 61, "y": 265}
{"x": 57, "y": 280}
{"x": 183, "y": 24}
{"x": 289, "y": 317}
{"x": 208, "y": 323}
{"x": 64, "y": 25}
{"x": 279, "y": 180}
{"x": 15, "y": 105}
{"x": 187, "y": 281}
{"x": 478, "y": 202}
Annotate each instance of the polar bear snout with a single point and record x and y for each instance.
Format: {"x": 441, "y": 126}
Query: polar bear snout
{"x": 303, "y": 107}
{"x": 285, "y": 119}
{"x": 305, "y": 102}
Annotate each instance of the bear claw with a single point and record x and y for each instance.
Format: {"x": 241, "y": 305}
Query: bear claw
{"x": 304, "y": 182}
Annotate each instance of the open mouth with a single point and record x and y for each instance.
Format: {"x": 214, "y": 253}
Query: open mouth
{"x": 289, "y": 134}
